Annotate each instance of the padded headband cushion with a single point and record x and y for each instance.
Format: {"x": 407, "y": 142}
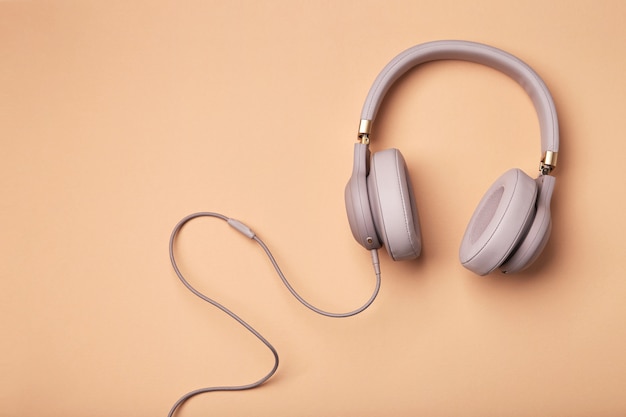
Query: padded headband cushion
{"x": 393, "y": 205}
{"x": 500, "y": 221}
{"x": 480, "y": 54}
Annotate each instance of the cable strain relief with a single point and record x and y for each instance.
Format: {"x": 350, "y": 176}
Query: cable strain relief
{"x": 241, "y": 228}
{"x": 375, "y": 261}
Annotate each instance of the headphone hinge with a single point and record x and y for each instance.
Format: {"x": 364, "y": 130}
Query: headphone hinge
{"x": 365, "y": 126}
{"x": 548, "y": 163}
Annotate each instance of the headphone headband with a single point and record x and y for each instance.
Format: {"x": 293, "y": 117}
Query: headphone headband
{"x": 480, "y": 54}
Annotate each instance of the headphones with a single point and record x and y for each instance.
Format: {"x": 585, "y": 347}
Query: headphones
{"x": 511, "y": 224}
{"x": 509, "y": 229}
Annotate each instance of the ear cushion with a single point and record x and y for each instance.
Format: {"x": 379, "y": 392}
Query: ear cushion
{"x": 500, "y": 221}
{"x": 393, "y": 205}
{"x": 537, "y": 237}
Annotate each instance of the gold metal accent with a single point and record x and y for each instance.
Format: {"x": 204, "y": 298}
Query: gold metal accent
{"x": 550, "y": 158}
{"x": 364, "y": 131}
{"x": 365, "y": 127}
{"x": 548, "y": 162}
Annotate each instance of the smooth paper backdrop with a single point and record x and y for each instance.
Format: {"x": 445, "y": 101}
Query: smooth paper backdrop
{"x": 118, "y": 118}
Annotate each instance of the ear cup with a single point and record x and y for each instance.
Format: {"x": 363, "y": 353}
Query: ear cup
{"x": 537, "y": 237}
{"x": 499, "y": 223}
{"x": 393, "y": 205}
{"x": 357, "y": 201}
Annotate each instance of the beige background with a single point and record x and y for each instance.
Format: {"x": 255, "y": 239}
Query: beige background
{"x": 120, "y": 117}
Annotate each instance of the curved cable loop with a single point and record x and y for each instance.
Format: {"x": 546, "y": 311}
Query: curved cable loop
{"x": 306, "y": 303}
{"x": 221, "y": 307}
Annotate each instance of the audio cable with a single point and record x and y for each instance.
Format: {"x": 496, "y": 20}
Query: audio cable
{"x": 246, "y": 231}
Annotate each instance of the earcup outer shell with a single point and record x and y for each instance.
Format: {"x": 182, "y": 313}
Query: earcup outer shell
{"x": 358, "y": 202}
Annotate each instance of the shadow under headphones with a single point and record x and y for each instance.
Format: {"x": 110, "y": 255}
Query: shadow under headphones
{"x": 511, "y": 224}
